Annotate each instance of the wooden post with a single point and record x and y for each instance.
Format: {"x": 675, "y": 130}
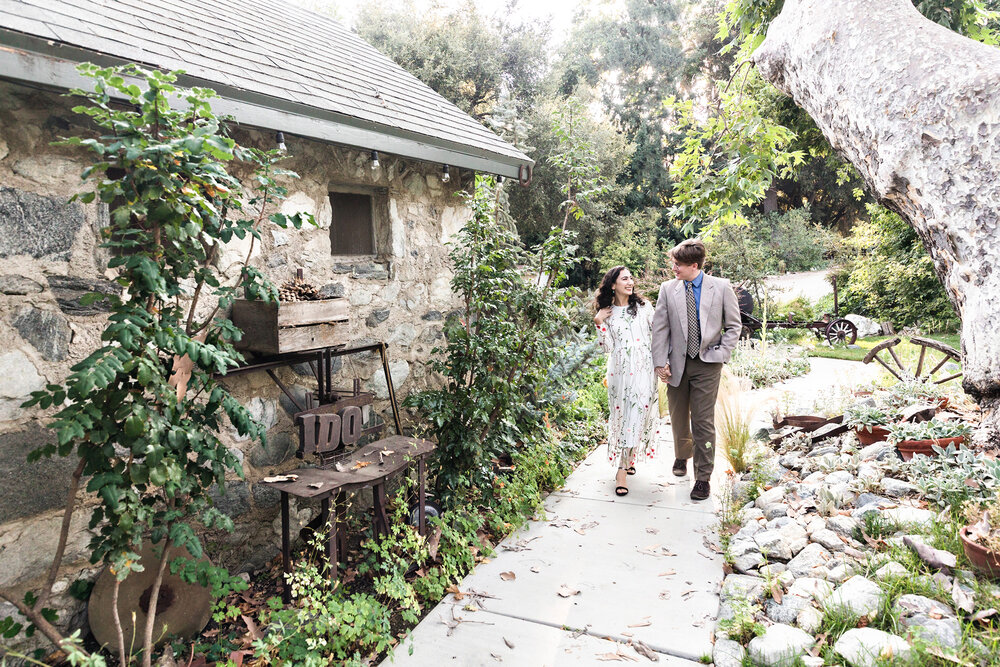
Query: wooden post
{"x": 836, "y": 303}
{"x": 286, "y": 550}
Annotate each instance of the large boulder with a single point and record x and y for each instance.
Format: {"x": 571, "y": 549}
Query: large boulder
{"x": 780, "y": 646}
{"x": 866, "y": 647}
{"x": 857, "y": 596}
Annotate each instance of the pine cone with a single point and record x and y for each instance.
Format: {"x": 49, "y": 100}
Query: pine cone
{"x": 298, "y": 290}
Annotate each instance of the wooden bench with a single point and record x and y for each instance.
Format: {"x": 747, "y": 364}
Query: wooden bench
{"x": 329, "y": 435}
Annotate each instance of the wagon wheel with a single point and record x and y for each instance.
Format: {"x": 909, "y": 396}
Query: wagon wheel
{"x": 902, "y": 373}
{"x": 841, "y": 331}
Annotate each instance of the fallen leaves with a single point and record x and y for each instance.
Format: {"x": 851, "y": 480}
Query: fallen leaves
{"x": 566, "y": 592}
{"x": 508, "y": 576}
{"x": 668, "y": 573}
{"x": 508, "y": 642}
{"x": 645, "y": 651}
{"x": 280, "y": 478}
{"x": 582, "y": 530}
{"x": 656, "y": 550}
{"x": 361, "y": 464}
{"x": 641, "y": 624}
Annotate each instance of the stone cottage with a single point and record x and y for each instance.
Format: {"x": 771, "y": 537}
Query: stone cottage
{"x": 381, "y": 159}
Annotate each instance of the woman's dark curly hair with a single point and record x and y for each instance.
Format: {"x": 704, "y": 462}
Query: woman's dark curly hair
{"x": 606, "y": 293}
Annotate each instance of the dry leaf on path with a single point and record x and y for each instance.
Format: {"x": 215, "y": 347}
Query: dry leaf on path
{"x": 566, "y": 592}
{"x": 645, "y": 651}
{"x": 252, "y": 628}
{"x": 652, "y": 531}
{"x": 453, "y": 589}
{"x": 434, "y": 543}
{"x": 582, "y": 530}
{"x": 668, "y": 573}
{"x": 665, "y": 595}
{"x": 316, "y": 485}
{"x": 508, "y": 576}
{"x": 508, "y": 642}
{"x": 984, "y": 614}
{"x": 361, "y": 464}
{"x": 641, "y": 624}
{"x": 535, "y": 569}
{"x": 776, "y": 591}
{"x": 618, "y": 657}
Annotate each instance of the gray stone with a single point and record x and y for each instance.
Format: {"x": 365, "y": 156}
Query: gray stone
{"x": 857, "y": 596}
{"x": 774, "y": 544}
{"x": 370, "y": 270}
{"x": 779, "y": 646}
{"x": 809, "y": 561}
{"x": 770, "y": 497}
{"x": 869, "y": 472}
{"x": 865, "y": 647}
{"x": 843, "y": 525}
{"x": 892, "y": 569}
{"x": 875, "y": 452}
{"x": 942, "y": 631}
{"x": 275, "y": 260}
{"x": 377, "y": 317}
{"x": 29, "y": 489}
{"x": 748, "y": 530}
{"x": 742, "y": 545}
{"x": 810, "y": 619}
{"x": 232, "y": 500}
{"x": 432, "y": 316}
{"x": 18, "y": 378}
{"x": 772, "y": 570}
{"x": 727, "y": 653}
{"x": 300, "y": 393}
{"x": 36, "y": 225}
{"x": 743, "y": 586}
{"x": 796, "y": 536}
{"x": 18, "y": 285}
{"x": 897, "y": 488}
{"x": 787, "y": 611}
{"x": 281, "y": 446}
{"x": 823, "y": 451}
{"x": 839, "y": 477}
{"x": 403, "y": 335}
{"x": 775, "y": 511}
{"x": 435, "y": 333}
{"x": 262, "y": 410}
{"x": 332, "y": 290}
{"x": 866, "y": 327}
{"x": 69, "y": 289}
{"x": 399, "y": 370}
{"x": 828, "y": 539}
{"x": 810, "y": 587}
{"x": 47, "y": 330}
{"x": 840, "y": 573}
{"x": 907, "y": 515}
{"x": 746, "y": 563}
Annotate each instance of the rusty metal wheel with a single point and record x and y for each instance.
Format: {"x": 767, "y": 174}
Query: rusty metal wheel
{"x": 841, "y": 331}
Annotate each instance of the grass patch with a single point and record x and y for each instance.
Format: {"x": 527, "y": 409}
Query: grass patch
{"x": 907, "y": 352}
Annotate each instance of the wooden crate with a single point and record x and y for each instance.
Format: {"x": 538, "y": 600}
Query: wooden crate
{"x": 294, "y": 326}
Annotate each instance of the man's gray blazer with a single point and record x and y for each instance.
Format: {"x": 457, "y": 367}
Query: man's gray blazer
{"x": 718, "y": 313}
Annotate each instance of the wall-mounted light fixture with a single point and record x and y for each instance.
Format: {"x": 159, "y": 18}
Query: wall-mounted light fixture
{"x": 375, "y": 162}
{"x": 445, "y": 174}
{"x": 280, "y": 138}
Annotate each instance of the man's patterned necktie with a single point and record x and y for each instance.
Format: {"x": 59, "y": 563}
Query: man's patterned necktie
{"x": 694, "y": 328}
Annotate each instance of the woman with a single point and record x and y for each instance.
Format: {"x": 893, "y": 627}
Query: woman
{"x": 624, "y": 322}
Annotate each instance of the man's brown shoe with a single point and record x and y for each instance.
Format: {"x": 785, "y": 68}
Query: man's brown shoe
{"x": 680, "y": 467}
{"x": 701, "y": 491}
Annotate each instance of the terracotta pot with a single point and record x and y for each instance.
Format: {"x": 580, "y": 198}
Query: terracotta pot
{"x": 908, "y": 448}
{"x": 877, "y": 434}
{"x": 983, "y": 559}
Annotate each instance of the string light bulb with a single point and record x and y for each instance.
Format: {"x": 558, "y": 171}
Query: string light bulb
{"x": 375, "y": 162}
{"x": 445, "y": 175}
{"x": 280, "y": 138}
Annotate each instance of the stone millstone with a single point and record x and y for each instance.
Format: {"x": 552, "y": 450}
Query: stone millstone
{"x": 183, "y": 609}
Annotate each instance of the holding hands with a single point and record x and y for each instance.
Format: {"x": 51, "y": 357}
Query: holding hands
{"x": 663, "y": 372}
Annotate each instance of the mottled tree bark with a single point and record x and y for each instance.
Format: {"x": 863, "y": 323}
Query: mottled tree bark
{"x": 915, "y": 108}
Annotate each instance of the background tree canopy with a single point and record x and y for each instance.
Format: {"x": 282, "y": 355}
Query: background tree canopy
{"x": 685, "y": 138}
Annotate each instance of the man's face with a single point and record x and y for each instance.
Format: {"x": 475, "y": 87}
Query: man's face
{"x": 685, "y": 271}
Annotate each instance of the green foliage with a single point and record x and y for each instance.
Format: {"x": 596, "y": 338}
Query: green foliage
{"x": 891, "y": 277}
{"x": 765, "y": 365}
{"x": 635, "y": 246}
{"x": 768, "y": 244}
{"x": 944, "y": 480}
{"x": 865, "y": 416}
{"x": 149, "y": 451}
{"x": 933, "y": 429}
{"x": 466, "y": 57}
{"x": 499, "y": 352}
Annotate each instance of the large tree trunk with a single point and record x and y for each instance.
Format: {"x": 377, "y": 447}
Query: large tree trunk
{"x": 914, "y": 107}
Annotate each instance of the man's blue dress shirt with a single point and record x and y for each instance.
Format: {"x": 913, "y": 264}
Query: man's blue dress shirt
{"x": 697, "y": 291}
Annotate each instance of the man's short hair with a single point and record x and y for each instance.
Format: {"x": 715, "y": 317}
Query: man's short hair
{"x": 691, "y": 251}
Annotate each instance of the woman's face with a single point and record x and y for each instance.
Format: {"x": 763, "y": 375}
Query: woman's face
{"x": 625, "y": 284}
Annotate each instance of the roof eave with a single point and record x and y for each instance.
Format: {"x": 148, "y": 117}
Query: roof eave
{"x": 30, "y": 59}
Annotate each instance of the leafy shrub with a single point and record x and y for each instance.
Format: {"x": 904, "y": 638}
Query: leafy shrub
{"x": 764, "y": 365}
{"x": 933, "y": 429}
{"x": 957, "y": 476}
{"x": 865, "y": 416}
{"x": 500, "y": 353}
{"x": 891, "y": 277}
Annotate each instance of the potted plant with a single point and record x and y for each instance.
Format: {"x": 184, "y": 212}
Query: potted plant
{"x": 981, "y": 536}
{"x": 913, "y": 392}
{"x": 869, "y": 422}
{"x": 921, "y": 437}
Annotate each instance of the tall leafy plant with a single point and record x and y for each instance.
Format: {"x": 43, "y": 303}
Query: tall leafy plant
{"x": 141, "y": 412}
{"x": 499, "y": 352}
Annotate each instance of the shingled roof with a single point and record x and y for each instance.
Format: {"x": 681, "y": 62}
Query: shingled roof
{"x": 275, "y": 65}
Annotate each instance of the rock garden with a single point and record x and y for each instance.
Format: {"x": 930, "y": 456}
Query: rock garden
{"x": 839, "y": 552}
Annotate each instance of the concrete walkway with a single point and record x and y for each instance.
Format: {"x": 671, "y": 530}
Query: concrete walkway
{"x": 601, "y": 574}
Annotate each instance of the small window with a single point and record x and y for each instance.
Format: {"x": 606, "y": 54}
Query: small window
{"x": 351, "y": 230}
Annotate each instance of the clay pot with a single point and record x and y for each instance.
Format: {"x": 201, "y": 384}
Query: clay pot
{"x": 877, "y": 434}
{"x": 908, "y": 448}
{"x": 983, "y": 559}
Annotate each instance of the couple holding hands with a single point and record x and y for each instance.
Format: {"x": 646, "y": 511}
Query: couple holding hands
{"x": 683, "y": 341}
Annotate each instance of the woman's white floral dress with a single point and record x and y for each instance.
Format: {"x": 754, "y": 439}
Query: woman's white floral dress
{"x": 631, "y": 384}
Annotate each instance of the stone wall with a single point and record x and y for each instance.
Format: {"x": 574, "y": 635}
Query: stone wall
{"x": 49, "y": 257}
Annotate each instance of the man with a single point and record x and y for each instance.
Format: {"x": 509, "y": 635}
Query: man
{"x": 695, "y": 329}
